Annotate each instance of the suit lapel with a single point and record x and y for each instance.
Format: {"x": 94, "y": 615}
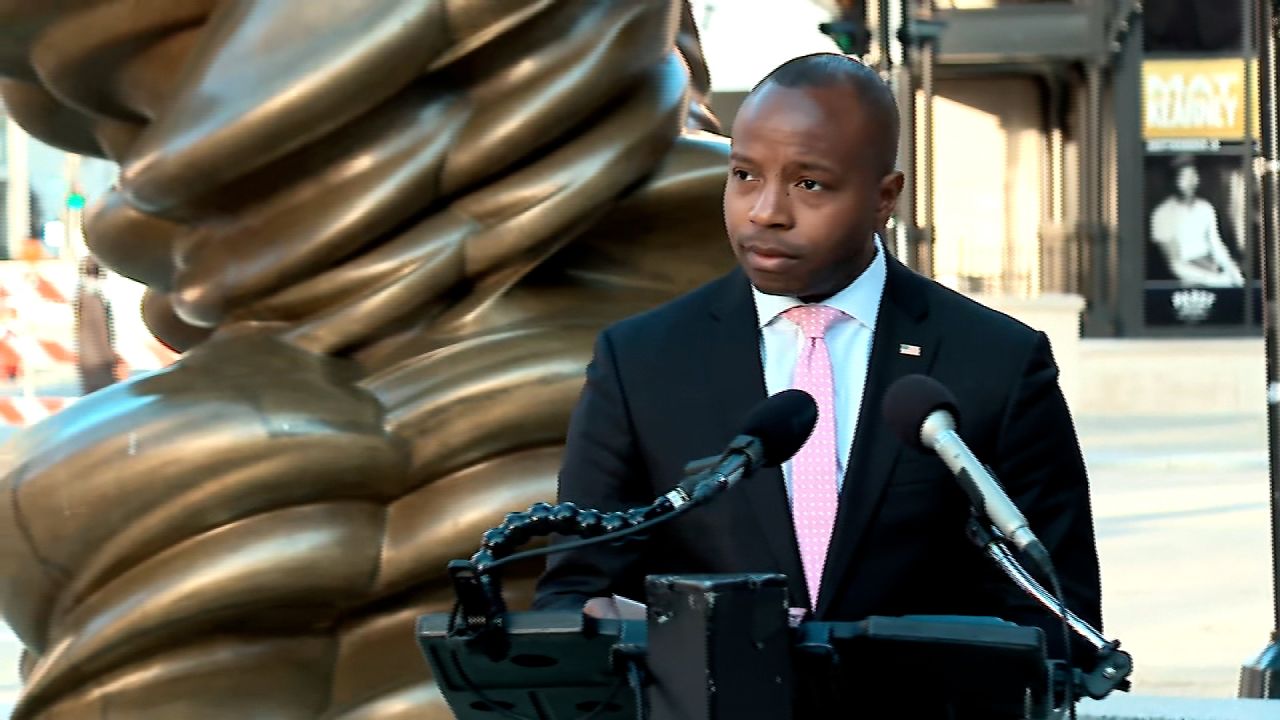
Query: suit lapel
{"x": 901, "y": 332}
{"x": 736, "y": 379}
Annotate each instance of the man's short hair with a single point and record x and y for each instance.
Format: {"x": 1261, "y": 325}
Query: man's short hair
{"x": 828, "y": 69}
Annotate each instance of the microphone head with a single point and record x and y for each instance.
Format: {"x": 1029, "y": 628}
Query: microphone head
{"x": 908, "y": 403}
{"x": 783, "y": 423}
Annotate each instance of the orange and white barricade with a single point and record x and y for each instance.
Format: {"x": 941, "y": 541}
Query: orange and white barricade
{"x": 38, "y": 372}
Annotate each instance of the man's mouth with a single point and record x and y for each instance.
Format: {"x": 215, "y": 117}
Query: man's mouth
{"x": 765, "y": 258}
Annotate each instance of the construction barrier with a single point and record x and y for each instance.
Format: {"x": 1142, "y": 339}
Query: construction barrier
{"x": 38, "y": 370}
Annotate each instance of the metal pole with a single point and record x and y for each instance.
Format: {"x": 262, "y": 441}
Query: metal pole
{"x": 1091, "y": 211}
{"x": 1261, "y": 677}
{"x": 884, "y": 37}
{"x": 1249, "y": 261}
{"x": 904, "y": 76}
{"x": 927, "y": 59}
{"x": 906, "y": 227}
{"x": 1057, "y": 269}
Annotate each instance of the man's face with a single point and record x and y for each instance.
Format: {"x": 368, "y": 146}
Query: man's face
{"x": 805, "y": 192}
{"x": 1188, "y": 181}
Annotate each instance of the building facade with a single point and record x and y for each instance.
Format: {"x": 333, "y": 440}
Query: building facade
{"x": 1049, "y": 142}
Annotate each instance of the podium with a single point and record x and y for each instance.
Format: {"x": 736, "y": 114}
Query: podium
{"x": 561, "y": 665}
{"x": 717, "y": 647}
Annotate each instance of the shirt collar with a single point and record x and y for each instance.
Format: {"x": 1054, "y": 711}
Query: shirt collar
{"x": 859, "y": 300}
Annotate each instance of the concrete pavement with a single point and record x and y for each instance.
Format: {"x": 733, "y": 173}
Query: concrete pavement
{"x": 1181, "y": 510}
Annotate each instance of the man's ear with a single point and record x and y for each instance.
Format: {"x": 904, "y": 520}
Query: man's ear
{"x": 890, "y": 189}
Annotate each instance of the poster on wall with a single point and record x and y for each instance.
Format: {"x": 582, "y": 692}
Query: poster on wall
{"x": 1198, "y": 240}
{"x": 1196, "y": 99}
{"x": 1199, "y": 113}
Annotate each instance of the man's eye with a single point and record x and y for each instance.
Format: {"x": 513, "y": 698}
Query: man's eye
{"x": 809, "y": 185}
{"x": 741, "y": 174}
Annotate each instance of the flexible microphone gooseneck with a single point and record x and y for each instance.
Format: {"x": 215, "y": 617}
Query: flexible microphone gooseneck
{"x": 773, "y": 432}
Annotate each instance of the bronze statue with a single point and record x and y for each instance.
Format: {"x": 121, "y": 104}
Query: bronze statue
{"x": 384, "y": 234}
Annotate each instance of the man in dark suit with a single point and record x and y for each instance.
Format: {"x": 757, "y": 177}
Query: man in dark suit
{"x": 873, "y": 528}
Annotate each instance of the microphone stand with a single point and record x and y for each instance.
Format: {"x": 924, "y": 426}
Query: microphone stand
{"x": 481, "y": 608}
{"x": 479, "y": 617}
{"x": 1113, "y": 667}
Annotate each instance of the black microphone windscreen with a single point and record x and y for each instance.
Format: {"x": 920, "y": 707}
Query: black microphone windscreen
{"x": 910, "y": 400}
{"x": 782, "y": 422}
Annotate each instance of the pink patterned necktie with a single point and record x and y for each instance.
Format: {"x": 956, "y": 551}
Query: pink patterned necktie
{"x": 814, "y": 497}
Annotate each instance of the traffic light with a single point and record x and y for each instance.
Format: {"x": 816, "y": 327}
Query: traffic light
{"x": 853, "y": 38}
{"x": 75, "y": 201}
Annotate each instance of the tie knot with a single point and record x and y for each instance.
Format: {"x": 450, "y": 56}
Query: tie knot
{"x": 813, "y": 320}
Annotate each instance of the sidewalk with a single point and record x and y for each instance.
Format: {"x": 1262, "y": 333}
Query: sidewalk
{"x": 1183, "y": 525}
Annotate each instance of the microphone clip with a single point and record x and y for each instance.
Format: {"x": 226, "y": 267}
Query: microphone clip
{"x": 705, "y": 477}
{"x": 481, "y": 610}
{"x": 1110, "y": 672}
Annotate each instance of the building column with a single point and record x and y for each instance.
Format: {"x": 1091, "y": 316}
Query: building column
{"x": 17, "y": 189}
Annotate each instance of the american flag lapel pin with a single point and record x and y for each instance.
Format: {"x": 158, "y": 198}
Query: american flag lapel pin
{"x": 909, "y": 350}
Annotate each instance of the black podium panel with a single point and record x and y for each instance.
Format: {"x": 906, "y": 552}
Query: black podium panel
{"x": 559, "y": 668}
{"x": 562, "y": 666}
{"x": 719, "y": 647}
{"x": 922, "y": 666}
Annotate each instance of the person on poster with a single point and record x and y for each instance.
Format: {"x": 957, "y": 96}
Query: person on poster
{"x": 810, "y": 183}
{"x": 1184, "y": 227}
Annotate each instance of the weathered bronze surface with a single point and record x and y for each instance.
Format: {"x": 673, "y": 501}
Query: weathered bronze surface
{"x": 385, "y": 232}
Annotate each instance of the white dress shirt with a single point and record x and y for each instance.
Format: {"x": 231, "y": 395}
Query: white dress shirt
{"x": 848, "y": 343}
{"x": 1188, "y": 229}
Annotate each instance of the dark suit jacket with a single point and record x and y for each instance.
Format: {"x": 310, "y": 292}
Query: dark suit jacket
{"x": 674, "y": 384}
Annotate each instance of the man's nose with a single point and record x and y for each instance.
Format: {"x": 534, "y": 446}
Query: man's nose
{"x": 772, "y": 208}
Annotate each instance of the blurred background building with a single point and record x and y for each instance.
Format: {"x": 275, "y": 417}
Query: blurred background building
{"x": 1045, "y": 135}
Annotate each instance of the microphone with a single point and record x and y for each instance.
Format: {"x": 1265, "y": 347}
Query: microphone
{"x": 923, "y": 413}
{"x": 773, "y": 432}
